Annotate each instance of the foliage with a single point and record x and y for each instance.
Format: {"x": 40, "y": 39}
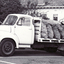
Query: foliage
{"x": 8, "y": 7}
{"x": 31, "y": 4}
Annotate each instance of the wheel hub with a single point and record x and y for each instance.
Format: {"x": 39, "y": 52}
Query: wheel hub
{"x": 7, "y": 47}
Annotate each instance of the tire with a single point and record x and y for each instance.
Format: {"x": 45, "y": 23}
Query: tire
{"x": 7, "y": 47}
{"x": 50, "y": 49}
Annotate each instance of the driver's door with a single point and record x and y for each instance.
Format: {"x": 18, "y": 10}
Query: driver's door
{"x": 24, "y": 30}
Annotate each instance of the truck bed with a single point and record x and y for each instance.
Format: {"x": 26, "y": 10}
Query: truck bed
{"x": 38, "y": 37}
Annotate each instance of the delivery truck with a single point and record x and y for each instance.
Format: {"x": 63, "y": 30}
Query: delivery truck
{"x": 24, "y": 31}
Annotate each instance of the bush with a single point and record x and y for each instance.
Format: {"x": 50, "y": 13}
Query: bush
{"x": 8, "y": 7}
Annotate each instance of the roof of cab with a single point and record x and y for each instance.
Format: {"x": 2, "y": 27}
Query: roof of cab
{"x": 25, "y": 15}
{"x": 21, "y": 15}
{"x": 36, "y": 18}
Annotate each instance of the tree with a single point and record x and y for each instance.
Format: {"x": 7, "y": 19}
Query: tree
{"x": 8, "y": 7}
{"x": 28, "y": 4}
{"x": 31, "y": 4}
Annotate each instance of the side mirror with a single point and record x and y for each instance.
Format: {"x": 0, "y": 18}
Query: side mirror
{"x": 19, "y": 22}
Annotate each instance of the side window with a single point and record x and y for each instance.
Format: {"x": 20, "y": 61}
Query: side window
{"x": 24, "y": 22}
{"x": 36, "y": 21}
{"x": 19, "y": 22}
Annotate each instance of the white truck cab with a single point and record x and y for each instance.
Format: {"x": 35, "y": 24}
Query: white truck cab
{"x": 18, "y": 29}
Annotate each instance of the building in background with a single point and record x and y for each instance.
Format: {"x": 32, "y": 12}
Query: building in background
{"x": 41, "y": 2}
{"x": 52, "y": 8}
{"x": 44, "y": 2}
{"x": 51, "y": 2}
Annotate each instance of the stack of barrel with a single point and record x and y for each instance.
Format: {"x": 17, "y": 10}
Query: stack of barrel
{"x": 52, "y": 29}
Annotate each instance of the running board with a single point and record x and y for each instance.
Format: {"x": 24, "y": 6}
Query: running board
{"x": 24, "y": 46}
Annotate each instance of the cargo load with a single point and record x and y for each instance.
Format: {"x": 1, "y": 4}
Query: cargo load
{"x": 52, "y": 29}
{"x": 49, "y": 31}
{"x": 62, "y": 32}
{"x": 56, "y": 32}
{"x": 43, "y": 31}
{"x": 52, "y": 22}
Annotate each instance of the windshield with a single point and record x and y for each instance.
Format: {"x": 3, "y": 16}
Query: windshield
{"x": 10, "y": 20}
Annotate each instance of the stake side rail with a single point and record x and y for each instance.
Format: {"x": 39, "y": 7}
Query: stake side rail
{"x": 51, "y": 40}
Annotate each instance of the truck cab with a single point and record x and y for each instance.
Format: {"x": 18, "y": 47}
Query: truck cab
{"x": 17, "y": 31}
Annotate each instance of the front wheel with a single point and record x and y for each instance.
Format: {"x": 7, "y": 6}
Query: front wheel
{"x": 7, "y": 47}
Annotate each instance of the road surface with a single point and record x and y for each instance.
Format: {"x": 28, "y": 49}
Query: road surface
{"x": 29, "y": 56}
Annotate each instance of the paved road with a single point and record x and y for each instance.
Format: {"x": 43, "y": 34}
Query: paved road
{"x": 33, "y": 57}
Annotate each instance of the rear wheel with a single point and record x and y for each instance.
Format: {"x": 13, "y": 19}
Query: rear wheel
{"x": 7, "y": 47}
